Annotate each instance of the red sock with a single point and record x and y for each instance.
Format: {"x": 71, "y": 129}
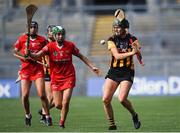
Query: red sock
{"x": 61, "y": 122}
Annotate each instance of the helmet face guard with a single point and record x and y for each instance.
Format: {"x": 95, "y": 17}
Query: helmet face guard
{"x": 50, "y": 27}
{"x": 59, "y": 29}
{"x": 56, "y": 30}
{"x": 122, "y": 25}
{"x": 116, "y": 22}
{"x": 34, "y": 24}
{"x": 49, "y": 32}
{"x": 33, "y": 29}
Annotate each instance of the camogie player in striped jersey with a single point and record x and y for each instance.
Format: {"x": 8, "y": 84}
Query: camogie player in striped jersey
{"x": 47, "y": 78}
{"x": 123, "y": 47}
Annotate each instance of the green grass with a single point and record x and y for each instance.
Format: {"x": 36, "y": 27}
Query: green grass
{"x": 158, "y": 114}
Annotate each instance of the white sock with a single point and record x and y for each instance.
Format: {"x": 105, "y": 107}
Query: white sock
{"x": 47, "y": 116}
{"x": 28, "y": 115}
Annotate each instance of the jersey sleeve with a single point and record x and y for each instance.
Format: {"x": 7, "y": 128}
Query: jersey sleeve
{"x": 45, "y": 49}
{"x": 111, "y": 45}
{"x": 17, "y": 44}
{"x": 45, "y": 42}
{"x": 42, "y": 40}
{"x": 75, "y": 50}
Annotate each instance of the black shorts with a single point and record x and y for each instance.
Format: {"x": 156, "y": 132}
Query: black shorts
{"x": 47, "y": 77}
{"x": 120, "y": 74}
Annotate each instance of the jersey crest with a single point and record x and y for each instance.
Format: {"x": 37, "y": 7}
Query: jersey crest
{"x": 55, "y": 53}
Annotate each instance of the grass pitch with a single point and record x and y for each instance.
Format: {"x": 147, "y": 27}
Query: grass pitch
{"x": 157, "y": 114}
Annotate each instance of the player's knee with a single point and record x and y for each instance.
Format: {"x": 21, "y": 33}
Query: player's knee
{"x": 42, "y": 97}
{"x": 58, "y": 106}
{"x": 122, "y": 99}
{"x": 25, "y": 97}
{"x": 106, "y": 101}
{"x": 65, "y": 104}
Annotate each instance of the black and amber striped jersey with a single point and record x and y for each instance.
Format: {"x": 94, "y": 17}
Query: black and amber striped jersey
{"x": 123, "y": 45}
{"x": 45, "y": 60}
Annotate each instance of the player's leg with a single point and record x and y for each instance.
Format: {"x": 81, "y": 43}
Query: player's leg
{"x": 57, "y": 98}
{"x": 123, "y": 94}
{"x": 41, "y": 112}
{"x": 50, "y": 101}
{"x": 49, "y": 94}
{"x": 40, "y": 86}
{"x": 109, "y": 89}
{"x": 25, "y": 89}
{"x": 65, "y": 106}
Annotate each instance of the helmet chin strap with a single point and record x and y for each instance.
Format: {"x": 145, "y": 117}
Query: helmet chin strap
{"x": 60, "y": 42}
{"x": 121, "y": 35}
{"x": 33, "y": 35}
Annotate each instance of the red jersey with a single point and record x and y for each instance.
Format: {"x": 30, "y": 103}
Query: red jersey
{"x": 30, "y": 68}
{"x": 61, "y": 66}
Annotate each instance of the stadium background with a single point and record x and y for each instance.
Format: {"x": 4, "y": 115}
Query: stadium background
{"x": 155, "y": 22}
{"x": 157, "y": 25}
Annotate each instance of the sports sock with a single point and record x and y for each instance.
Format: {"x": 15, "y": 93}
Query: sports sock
{"x": 47, "y": 116}
{"x": 134, "y": 114}
{"x": 111, "y": 122}
{"x": 28, "y": 115}
{"x": 61, "y": 122}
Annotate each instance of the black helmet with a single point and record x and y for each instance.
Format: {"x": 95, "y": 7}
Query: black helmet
{"x": 34, "y": 24}
{"x": 116, "y": 22}
{"x": 50, "y": 27}
{"x": 124, "y": 23}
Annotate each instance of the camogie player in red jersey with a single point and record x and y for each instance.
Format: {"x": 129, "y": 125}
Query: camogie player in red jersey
{"x": 31, "y": 71}
{"x": 62, "y": 71}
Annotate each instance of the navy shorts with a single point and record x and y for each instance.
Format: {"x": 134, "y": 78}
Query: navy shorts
{"x": 120, "y": 74}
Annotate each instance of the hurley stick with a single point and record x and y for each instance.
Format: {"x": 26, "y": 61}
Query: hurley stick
{"x": 30, "y": 10}
{"x": 39, "y": 62}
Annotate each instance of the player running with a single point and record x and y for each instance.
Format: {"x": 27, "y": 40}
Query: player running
{"x": 62, "y": 70}
{"x": 31, "y": 71}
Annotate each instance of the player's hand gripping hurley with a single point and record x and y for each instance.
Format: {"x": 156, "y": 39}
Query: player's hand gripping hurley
{"x": 30, "y": 11}
{"x": 120, "y": 14}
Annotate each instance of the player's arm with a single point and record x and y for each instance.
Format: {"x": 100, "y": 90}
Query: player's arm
{"x": 88, "y": 63}
{"x": 18, "y": 55}
{"x": 136, "y": 44}
{"x": 36, "y": 55}
{"x": 40, "y": 53}
{"x": 138, "y": 54}
{"x": 112, "y": 47}
{"x": 17, "y": 46}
